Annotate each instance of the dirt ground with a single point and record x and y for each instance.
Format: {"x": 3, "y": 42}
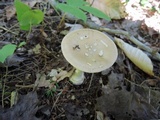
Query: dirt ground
{"x": 34, "y": 83}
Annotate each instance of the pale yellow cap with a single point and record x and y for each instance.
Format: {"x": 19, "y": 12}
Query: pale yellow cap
{"x": 89, "y": 50}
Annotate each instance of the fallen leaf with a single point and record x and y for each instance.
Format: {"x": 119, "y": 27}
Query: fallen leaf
{"x": 32, "y": 3}
{"x": 131, "y": 26}
{"x": 53, "y": 73}
{"x": 137, "y": 56}
{"x": 14, "y": 98}
{"x": 113, "y": 8}
{"x": 115, "y": 80}
{"x": 151, "y": 95}
{"x": 10, "y": 12}
{"x": 62, "y": 75}
{"x": 124, "y": 105}
{"x": 58, "y": 75}
{"x": 36, "y": 49}
{"x": 14, "y": 60}
{"x": 49, "y": 80}
{"x": 100, "y": 115}
{"x": 25, "y": 109}
{"x": 41, "y": 81}
{"x": 73, "y": 27}
{"x": 74, "y": 112}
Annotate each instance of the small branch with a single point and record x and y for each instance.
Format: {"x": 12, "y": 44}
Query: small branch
{"x": 90, "y": 81}
{"x": 8, "y": 30}
{"x": 25, "y": 86}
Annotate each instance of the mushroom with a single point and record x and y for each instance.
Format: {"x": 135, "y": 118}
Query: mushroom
{"x": 89, "y": 51}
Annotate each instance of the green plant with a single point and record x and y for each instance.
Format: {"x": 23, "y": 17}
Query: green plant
{"x": 77, "y": 8}
{"x": 26, "y": 16}
{"x": 155, "y": 9}
{"x": 50, "y": 91}
{"x": 8, "y": 50}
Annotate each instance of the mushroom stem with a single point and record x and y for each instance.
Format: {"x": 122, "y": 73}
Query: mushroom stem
{"x": 77, "y": 77}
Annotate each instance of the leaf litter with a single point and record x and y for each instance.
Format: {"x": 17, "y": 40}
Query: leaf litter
{"x": 122, "y": 92}
{"x": 25, "y": 109}
{"x": 119, "y": 103}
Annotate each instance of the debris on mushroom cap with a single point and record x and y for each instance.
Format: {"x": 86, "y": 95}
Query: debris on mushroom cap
{"x": 89, "y": 50}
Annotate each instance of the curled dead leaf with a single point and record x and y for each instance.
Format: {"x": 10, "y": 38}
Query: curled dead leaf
{"x": 137, "y": 56}
{"x": 113, "y": 8}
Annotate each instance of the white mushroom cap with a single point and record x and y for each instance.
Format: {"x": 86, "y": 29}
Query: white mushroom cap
{"x": 89, "y": 50}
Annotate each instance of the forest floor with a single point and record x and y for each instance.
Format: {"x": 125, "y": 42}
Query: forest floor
{"x": 34, "y": 83}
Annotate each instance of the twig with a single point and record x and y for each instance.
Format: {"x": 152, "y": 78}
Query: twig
{"x": 25, "y": 86}
{"x": 149, "y": 96}
{"x": 90, "y": 81}
{"x": 7, "y": 30}
{"x": 6, "y": 3}
{"x": 141, "y": 86}
{"x": 3, "y": 86}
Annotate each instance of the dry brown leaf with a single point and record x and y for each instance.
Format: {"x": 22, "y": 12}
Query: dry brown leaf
{"x": 137, "y": 56}
{"x": 10, "y": 12}
{"x": 32, "y": 3}
{"x": 36, "y": 49}
{"x": 113, "y": 8}
{"x": 57, "y": 76}
{"x": 41, "y": 81}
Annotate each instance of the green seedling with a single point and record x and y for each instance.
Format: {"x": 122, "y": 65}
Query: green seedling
{"x": 78, "y": 8}
{"x": 8, "y": 50}
{"x": 51, "y": 91}
{"x": 26, "y": 16}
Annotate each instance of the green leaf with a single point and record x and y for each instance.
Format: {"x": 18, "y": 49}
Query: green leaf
{"x": 76, "y": 3}
{"x": 21, "y": 8}
{"x": 39, "y": 15}
{"x": 95, "y": 12}
{"x": 6, "y": 51}
{"x": 127, "y": 1}
{"x": 72, "y": 10}
{"x": 31, "y": 17}
{"x": 26, "y": 16}
{"x": 143, "y": 2}
{"x": 25, "y": 27}
{"x": 21, "y": 44}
